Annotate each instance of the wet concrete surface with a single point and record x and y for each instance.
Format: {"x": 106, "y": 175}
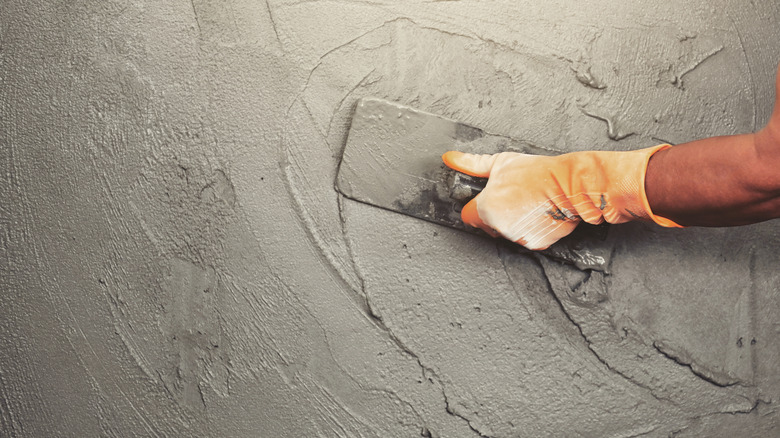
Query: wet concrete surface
{"x": 176, "y": 261}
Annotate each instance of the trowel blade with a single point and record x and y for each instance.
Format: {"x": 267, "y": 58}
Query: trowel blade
{"x": 392, "y": 160}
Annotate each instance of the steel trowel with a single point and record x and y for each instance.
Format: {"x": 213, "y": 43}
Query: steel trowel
{"x": 392, "y": 160}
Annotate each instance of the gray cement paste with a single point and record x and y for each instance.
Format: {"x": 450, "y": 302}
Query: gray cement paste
{"x": 175, "y": 261}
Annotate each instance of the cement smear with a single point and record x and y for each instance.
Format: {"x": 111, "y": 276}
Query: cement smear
{"x": 176, "y": 262}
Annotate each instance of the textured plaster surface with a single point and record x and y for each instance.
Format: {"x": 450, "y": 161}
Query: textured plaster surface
{"x": 175, "y": 261}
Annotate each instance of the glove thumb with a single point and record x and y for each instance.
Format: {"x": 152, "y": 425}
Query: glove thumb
{"x": 470, "y": 164}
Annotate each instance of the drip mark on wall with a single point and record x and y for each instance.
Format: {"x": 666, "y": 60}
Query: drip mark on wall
{"x": 615, "y": 128}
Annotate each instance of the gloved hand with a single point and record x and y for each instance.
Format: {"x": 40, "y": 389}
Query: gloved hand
{"x": 535, "y": 200}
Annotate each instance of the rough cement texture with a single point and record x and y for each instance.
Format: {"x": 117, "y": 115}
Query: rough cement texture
{"x": 175, "y": 261}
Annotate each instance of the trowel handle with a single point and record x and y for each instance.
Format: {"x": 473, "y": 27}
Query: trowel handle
{"x": 463, "y": 188}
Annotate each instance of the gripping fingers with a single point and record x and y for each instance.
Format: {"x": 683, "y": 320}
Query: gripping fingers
{"x": 470, "y": 164}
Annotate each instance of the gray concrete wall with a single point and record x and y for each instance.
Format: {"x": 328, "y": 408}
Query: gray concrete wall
{"x": 175, "y": 261}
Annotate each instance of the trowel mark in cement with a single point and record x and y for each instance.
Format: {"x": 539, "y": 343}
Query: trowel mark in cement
{"x": 189, "y": 355}
{"x": 191, "y": 324}
{"x": 736, "y": 365}
{"x": 174, "y": 331}
{"x": 585, "y": 299}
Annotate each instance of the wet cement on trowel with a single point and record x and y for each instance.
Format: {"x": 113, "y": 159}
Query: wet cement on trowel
{"x": 177, "y": 263}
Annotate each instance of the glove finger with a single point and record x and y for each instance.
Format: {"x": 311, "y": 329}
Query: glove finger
{"x": 470, "y": 164}
{"x": 470, "y": 216}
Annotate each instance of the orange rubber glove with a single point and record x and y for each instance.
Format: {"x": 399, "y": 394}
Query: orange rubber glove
{"x": 535, "y": 200}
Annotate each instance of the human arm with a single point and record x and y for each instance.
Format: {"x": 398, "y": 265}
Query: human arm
{"x": 719, "y": 181}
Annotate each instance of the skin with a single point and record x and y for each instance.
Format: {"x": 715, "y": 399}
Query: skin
{"x": 719, "y": 181}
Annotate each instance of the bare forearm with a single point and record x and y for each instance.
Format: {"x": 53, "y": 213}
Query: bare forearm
{"x": 719, "y": 181}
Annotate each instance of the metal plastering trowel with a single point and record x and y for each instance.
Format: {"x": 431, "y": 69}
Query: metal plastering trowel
{"x": 392, "y": 160}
